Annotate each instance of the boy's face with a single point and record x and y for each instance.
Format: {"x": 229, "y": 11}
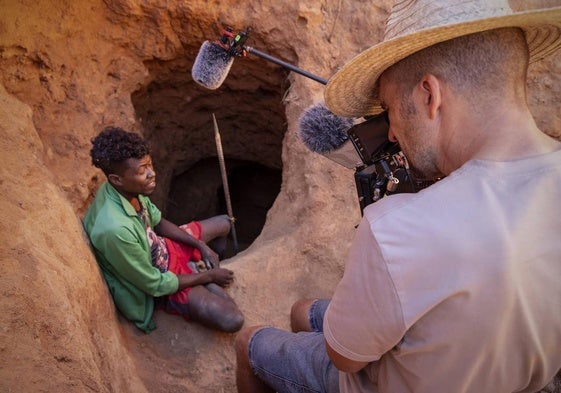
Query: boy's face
{"x": 134, "y": 177}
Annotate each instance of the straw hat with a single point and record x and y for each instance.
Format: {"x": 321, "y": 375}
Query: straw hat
{"x": 417, "y": 24}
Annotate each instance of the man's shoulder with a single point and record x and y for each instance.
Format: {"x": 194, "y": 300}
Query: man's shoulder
{"x": 393, "y": 206}
{"x": 441, "y": 198}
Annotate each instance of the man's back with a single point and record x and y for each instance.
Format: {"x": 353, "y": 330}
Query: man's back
{"x": 474, "y": 262}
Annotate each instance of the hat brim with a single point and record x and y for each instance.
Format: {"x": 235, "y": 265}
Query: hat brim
{"x": 352, "y": 91}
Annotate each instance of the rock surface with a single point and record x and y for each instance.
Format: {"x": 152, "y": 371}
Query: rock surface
{"x": 70, "y": 68}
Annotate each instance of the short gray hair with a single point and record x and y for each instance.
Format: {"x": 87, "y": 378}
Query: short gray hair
{"x": 476, "y": 65}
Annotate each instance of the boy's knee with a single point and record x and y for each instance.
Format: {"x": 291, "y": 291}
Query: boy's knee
{"x": 232, "y": 322}
{"x": 223, "y": 225}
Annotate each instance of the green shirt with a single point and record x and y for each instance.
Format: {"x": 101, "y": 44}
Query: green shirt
{"x": 120, "y": 244}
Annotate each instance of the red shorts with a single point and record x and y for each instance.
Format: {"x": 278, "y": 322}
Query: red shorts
{"x": 179, "y": 256}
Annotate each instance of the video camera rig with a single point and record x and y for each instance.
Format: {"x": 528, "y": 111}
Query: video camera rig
{"x": 385, "y": 170}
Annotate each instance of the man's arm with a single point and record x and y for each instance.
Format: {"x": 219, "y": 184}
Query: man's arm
{"x": 364, "y": 318}
{"x": 342, "y": 363}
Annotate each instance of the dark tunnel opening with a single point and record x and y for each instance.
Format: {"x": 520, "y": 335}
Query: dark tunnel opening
{"x": 176, "y": 118}
{"x": 252, "y": 187}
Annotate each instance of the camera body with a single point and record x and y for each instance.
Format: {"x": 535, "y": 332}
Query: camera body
{"x": 385, "y": 169}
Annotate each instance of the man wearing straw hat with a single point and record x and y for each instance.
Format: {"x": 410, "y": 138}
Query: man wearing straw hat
{"x": 454, "y": 289}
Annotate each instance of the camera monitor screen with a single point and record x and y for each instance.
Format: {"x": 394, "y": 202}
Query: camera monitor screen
{"x": 370, "y": 136}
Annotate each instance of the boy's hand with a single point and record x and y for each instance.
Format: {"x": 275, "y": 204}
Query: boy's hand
{"x": 208, "y": 255}
{"x": 221, "y": 276}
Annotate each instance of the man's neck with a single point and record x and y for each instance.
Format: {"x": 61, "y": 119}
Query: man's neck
{"x": 501, "y": 135}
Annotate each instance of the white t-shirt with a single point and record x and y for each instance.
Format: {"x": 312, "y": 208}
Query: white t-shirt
{"x": 456, "y": 289}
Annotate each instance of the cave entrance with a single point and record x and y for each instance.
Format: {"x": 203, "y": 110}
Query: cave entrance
{"x": 253, "y": 188}
{"x": 176, "y": 118}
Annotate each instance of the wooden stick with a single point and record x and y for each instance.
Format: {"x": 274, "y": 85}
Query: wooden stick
{"x": 225, "y": 183}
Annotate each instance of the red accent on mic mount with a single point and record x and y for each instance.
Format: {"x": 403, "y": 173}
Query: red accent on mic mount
{"x": 234, "y": 44}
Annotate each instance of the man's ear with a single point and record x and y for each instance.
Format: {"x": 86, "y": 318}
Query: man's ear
{"x": 431, "y": 93}
{"x": 115, "y": 180}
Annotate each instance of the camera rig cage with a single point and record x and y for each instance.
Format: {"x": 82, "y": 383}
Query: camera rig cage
{"x": 386, "y": 170}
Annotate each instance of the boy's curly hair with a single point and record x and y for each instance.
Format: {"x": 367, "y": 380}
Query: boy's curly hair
{"x": 113, "y": 146}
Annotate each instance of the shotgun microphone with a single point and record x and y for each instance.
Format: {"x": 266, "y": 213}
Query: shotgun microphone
{"x": 214, "y": 60}
{"x": 325, "y": 133}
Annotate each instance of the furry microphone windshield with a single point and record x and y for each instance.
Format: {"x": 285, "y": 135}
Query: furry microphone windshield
{"x": 325, "y": 133}
{"x": 211, "y": 66}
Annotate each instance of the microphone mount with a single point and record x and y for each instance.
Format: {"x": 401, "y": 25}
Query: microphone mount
{"x": 234, "y": 44}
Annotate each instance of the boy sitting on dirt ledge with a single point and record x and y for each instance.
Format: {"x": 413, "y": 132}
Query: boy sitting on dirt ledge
{"x": 144, "y": 256}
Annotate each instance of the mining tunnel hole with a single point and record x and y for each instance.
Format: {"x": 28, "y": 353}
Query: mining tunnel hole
{"x": 176, "y": 118}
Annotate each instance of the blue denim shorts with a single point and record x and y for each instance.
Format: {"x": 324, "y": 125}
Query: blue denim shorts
{"x": 295, "y": 362}
{"x": 317, "y": 311}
